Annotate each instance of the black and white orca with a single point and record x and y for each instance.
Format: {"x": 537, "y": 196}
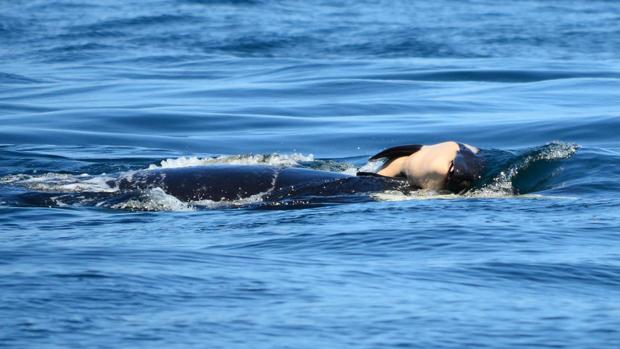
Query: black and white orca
{"x": 448, "y": 166}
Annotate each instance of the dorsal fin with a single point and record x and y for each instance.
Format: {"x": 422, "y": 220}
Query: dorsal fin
{"x": 396, "y": 152}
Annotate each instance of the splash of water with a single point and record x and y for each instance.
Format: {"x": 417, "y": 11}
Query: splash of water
{"x": 154, "y": 199}
{"x": 502, "y": 184}
{"x": 245, "y": 159}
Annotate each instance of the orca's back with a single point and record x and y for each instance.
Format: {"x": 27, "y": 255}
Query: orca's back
{"x": 225, "y": 182}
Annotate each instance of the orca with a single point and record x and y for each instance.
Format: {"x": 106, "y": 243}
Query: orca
{"x": 448, "y": 166}
{"x": 235, "y": 182}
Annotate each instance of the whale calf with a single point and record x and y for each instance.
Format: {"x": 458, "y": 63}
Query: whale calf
{"x": 450, "y": 166}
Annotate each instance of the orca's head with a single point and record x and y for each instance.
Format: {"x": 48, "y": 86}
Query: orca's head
{"x": 465, "y": 169}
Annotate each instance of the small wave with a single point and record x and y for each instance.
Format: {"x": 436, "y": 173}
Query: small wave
{"x": 511, "y": 76}
{"x": 250, "y": 159}
{"x": 9, "y": 78}
{"x": 221, "y": 2}
{"x": 62, "y": 182}
{"x": 135, "y": 22}
{"x": 504, "y": 182}
{"x": 583, "y": 274}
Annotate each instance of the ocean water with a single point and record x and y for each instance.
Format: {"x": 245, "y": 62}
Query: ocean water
{"x": 91, "y": 90}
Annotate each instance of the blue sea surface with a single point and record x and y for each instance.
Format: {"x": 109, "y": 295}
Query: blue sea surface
{"x": 90, "y": 90}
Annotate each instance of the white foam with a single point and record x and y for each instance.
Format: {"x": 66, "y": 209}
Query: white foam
{"x": 229, "y": 203}
{"x": 351, "y": 171}
{"x": 394, "y": 195}
{"x": 154, "y": 200}
{"x": 248, "y": 159}
{"x": 558, "y": 150}
{"x": 433, "y": 195}
{"x": 62, "y": 182}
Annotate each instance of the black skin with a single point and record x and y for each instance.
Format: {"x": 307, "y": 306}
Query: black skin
{"x": 230, "y": 182}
